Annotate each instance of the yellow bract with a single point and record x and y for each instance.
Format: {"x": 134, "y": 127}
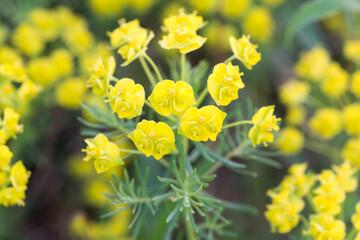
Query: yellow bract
{"x": 352, "y": 50}
{"x": 5, "y": 157}
{"x": 169, "y": 97}
{"x": 14, "y": 71}
{"x": 100, "y": 76}
{"x": 295, "y": 115}
{"x": 355, "y": 218}
{"x": 28, "y": 39}
{"x": 181, "y": 31}
{"x": 259, "y": 24}
{"x": 264, "y": 123}
{"x": 326, "y": 123}
{"x": 234, "y": 8}
{"x": 293, "y": 92}
{"x": 351, "y": 151}
{"x": 325, "y": 226}
{"x": 130, "y": 39}
{"x": 126, "y": 98}
{"x": 104, "y": 153}
{"x": 10, "y": 124}
{"x": 45, "y": 21}
{"x": 245, "y": 51}
{"x": 335, "y": 82}
{"x": 312, "y": 65}
{"x": 202, "y": 124}
{"x": 19, "y": 176}
{"x": 224, "y": 83}
{"x": 290, "y": 141}
{"x": 352, "y": 118}
{"x": 70, "y": 92}
{"x": 355, "y": 84}
{"x": 28, "y": 90}
{"x": 153, "y": 138}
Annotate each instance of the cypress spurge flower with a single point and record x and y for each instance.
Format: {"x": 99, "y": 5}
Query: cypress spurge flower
{"x": 325, "y": 226}
{"x": 19, "y": 176}
{"x": 14, "y": 71}
{"x": 202, "y": 124}
{"x": 245, "y": 51}
{"x": 104, "y": 153}
{"x": 326, "y": 122}
{"x": 10, "y": 123}
{"x": 151, "y": 138}
{"x": 100, "y": 76}
{"x": 5, "y": 156}
{"x": 11, "y": 196}
{"x": 130, "y": 39}
{"x": 182, "y": 21}
{"x": 126, "y": 98}
{"x": 169, "y": 97}
{"x": 264, "y": 124}
{"x": 224, "y": 83}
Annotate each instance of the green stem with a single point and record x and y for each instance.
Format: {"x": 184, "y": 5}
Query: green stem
{"x": 153, "y": 65}
{"x": 190, "y": 234}
{"x": 182, "y": 162}
{"x": 229, "y": 59}
{"x": 351, "y": 234}
{"x": 202, "y": 97}
{"x": 183, "y": 61}
{"x": 304, "y": 221}
{"x": 147, "y": 71}
{"x": 163, "y": 162}
{"x": 113, "y": 79}
{"x": 131, "y": 151}
{"x": 312, "y": 205}
{"x": 237, "y": 123}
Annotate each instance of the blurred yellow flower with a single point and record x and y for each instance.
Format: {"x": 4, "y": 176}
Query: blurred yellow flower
{"x": 62, "y": 61}
{"x": 234, "y": 8}
{"x": 8, "y": 55}
{"x": 293, "y": 92}
{"x": 326, "y": 122}
{"x": 202, "y": 124}
{"x": 245, "y": 51}
{"x": 28, "y": 39}
{"x": 224, "y": 83}
{"x": 78, "y": 38}
{"x": 14, "y": 71}
{"x": 41, "y": 70}
{"x": 216, "y": 40}
{"x": 19, "y": 176}
{"x": 10, "y": 123}
{"x": 100, "y": 76}
{"x": 351, "y": 151}
{"x": 10, "y": 196}
{"x": 153, "y": 138}
{"x": 126, "y": 98}
{"x": 352, "y": 50}
{"x": 45, "y": 22}
{"x": 89, "y": 58}
{"x": 295, "y": 115}
{"x": 259, "y": 24}
{"x": 264, "y": 124}
{"x": 325, "y": 226}
{"x": 104, "y": 153}
{"x": 28, "y": 90}
{"x": 313, "y": 64}
{"x": 352, "y": 118}
{"x": 355, "y": 218}
{"x": 345, "y": 176}
{"x": 107, "y": 8}
{"x": 290, "y": 141}
{"x": 5, "y": 157}
{"x": 70, "y": 92}
{"x": 169, "y": 97}
{"x": 355, "y": 84}
{"x": 203, "y": 6}
{"x": 335, "y": 82}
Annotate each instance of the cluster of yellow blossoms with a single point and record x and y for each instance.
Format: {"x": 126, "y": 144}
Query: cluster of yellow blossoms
{"x": 331, "y": 94}
{"x": 173, "y": 100}
{"x": 13, "y": 177}
{"x": 325, "y": 193}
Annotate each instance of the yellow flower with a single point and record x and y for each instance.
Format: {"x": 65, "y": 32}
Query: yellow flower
{"x": 62, "y": 61}
{"x": 326, "y": 123}
{"x": 8, "y": 55}
{"x": 264, "y": 123}
{"x": 70, "y": 92}
{"x": 28, "y": 39}
{"x": 234, "y": 8}
{"x": 41, "y": 70}
{"x": 355, "y": 218}
{"x": 335, "y": 82}
{"x": 10, "y": 123}
{"x": 259, "y": 24}
{"x": 203, "y": 6}
{"x": 130, "y": 39}
{"x": 216, "y": 40}
{"x": 202, "y": 124}
{"x": 295, "y": 115}
{"x": 153, "y": 138}
{"x": 245, "y": 51}
{"x": 100, "y": 76}
{"x": 183, "y": 22}
{"x": 107, "y": 8}
{"x": 92, "y": 190}
{"x": 169, "y": 97}
{"x": 283, "y": 212}
{"x": 293, "y": 92}
{"x": 126, "y": 98}
{"x": 290, "y": 141}
{"x": 14, "y": 71}
{"x": 10, "y": 196}
{"x": 352, "y": 50}
{"x": 325, "y": 226}
{"x": 355, "y": 84}
{"x": 5, "y": 157}
{"x": 351, "y": 118}
{"x": 351, "y": 151}
{"x": 78, "y": 38}
{"x": 186, "y": 41}
{"x": 45, "y": 22}
{"x": 19, "y": 176}
{"x": 28, "y": 90}
{"x": 224, "y": 83}
{"x": 104, "y": 153}
{"x": 88, "y": 59}
{"x": 345, "y": 176}
{"x": 312, "y": 65}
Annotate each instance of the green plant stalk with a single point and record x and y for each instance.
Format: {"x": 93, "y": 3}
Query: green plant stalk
{"x": 229, "y": 59}
{"x": 351, "y": 234}
{"x": 183, "y": 62}
{"x": 153, "y": 65}
{"x": 147, "y": 71}
{"x": 202, "y": 97}
{"x": 237, "y": 123}
{"x": 190, "y": 234}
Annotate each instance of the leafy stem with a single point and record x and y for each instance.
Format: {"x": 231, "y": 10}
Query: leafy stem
{"x": 229, "y": 59}
{"x": 183, "y": 61}
{"x": 147, "y": 71}
{"x": 237, "y": 123}
{"x": 153, "y": 65}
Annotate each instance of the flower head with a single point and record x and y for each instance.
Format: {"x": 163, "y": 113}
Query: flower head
{"x": 70, "y": 92}
{"x": 104, "y": 153}
{"x": 169, "y": 97}
{"x": 19, "y": 176}
{"x": 5, "y": 157}
{"x": 351, "y": 118}
{"x": 290, "y": 141}
{"x": 245, "y": 51}
{"x": 264, "y": 123}
{"x": 259, "y": 24}
{"x": 14, "y": 71}
{"x": 224, "y": 83}
{"x": 10, "y": 123}
{"x": 153, "y": 138}
{"x": 352, "y": 50}
{"x": 202, "y": 124}
{"x": 100, "y": 76}
{"x": 325, "y": 226}
{"x": 183, "y": 21}
{"x": 126, "y": 98}
{"x": 355, "y": 83}
{"x": 351, "y": 151}
{"x": 335, "y": 82}
{"x": 326, "y": 122}
{"x": 293, "y": 92}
